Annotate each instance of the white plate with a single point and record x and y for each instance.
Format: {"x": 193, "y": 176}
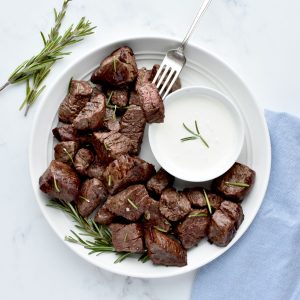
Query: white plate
{"x": 202, "y": 69}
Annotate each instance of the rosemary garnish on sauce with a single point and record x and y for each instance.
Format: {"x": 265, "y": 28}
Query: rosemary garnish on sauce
{"x": 132, "y": 203}
{"x": 36, "y": 69}
{"x": 195, "y": 135}
{"x": 239, "y": 184}
{"x": 207, "y": 201}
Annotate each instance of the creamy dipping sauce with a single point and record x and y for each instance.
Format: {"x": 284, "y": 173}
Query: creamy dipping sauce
{"x": 220, "y": 126}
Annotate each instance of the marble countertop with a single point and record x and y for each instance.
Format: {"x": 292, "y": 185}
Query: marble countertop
{"x": 258, "y": 39}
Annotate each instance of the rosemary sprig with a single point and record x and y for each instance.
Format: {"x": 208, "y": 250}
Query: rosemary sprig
{"x": 160, "y": 229}
{"x": 55, "y": 184}
{"x": 106, "y": 147}
{"x": 239, "y": 184}
{"x": 195, "y": 135}
{"x": 132, "y": 203}
{"x": 35, "y": 70}
{"x": 125, "y": 237}
{"x": 207, "y": 201}
{"x": 85, "y": 199}
{"x": 109, "y": 180}
{"x": 197, "y": 215}
{"x": 69, "y": 155}
{"x": 122, "y": 256}
{"x": 144, "y": 257}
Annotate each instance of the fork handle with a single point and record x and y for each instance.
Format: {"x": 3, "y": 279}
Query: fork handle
{"x": 201, "y": 11}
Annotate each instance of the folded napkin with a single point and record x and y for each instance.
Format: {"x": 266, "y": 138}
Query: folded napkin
{"x": 265, "y": 262}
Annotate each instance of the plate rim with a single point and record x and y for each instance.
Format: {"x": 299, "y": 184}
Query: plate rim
{"x": 125, "y": 40}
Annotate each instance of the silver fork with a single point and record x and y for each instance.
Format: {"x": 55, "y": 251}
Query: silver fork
{"x": 175, "y": 60}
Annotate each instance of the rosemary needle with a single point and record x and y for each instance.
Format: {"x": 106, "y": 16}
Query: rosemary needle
{"x": 239, "y": 184}
{"x": 197, "y": 215}
{"x": 207, "y": 201}
{"x": 132, "y": 203}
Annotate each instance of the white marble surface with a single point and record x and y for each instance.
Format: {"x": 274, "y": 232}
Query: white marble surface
{"x": 258, "y": 39}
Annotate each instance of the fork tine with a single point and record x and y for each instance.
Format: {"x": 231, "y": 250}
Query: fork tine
{"x": 158, "y": 73}
{"x": 176, "y": 74}
{"x": 167, "y": 79}
{"x": 163, "y": 75}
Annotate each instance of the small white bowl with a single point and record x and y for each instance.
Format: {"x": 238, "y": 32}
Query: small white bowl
{"x": 219, "y": 123}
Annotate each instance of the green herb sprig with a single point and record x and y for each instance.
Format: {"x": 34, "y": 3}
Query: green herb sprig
{"x": 98, "y": 239}
{"x": 36, "y": 69}
{"x": 207, "y": 201}
{"x": 197, "y": 215}
{"x": 195, "y": 135}
{"x": 239, "y": 184}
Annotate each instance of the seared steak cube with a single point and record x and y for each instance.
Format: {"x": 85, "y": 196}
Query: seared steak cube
{"x": 151, "y": 103}
{"x": 118, "y": 97}
{"x": 118, "y": 69}
{"x": 163, "y": 250}
{"x": 230, "y": 184}
{"x": 221, "y": 230}
{"x": 92, "y": 193}
{"x": 133, "y": 125}
{"x": 143, "y": 77}
{"x": 174, "y": 205}
{"x": 154, "y": 218}
{"x": 60, "y": 181}
{"x": 161, "y": 180}
{"x": 79, "y": 94}
{"x": 110, "y": 121}
{"x": 92, "y": 115}
{"x": 83, "y": 159}
{"x": 176, "y": 85}
{"x": 125, "y": 171}
{"x": 96, "y": 169}
{"x": 197, "y": 198}
{"x": 104, "y": 216}
{"x": 127, "y": 238}
{"x": 65, "y": 151}
{"x": 65, "y": 132}
{"x": 109, "y": 145}
{"x": 234, "y": 211}
{"x": 134, "y": 98}
{"x": 130, "y": 203}
{"x": 193, "y": 228}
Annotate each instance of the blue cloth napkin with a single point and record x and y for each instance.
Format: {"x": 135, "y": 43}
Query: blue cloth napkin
{"x": 265, "y": 262}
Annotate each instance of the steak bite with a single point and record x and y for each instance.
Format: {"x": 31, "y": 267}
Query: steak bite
{"x": 104, "y": 216}
{"x": 109, "y": 145}
{"x": 161, "y": 180}
{"x": 133, "y": 125}
{"x": 197, "y": 198}
{"x": 83, "y": 159}
{"x": 154, "y": 218}
{"x": 143, "y": 77}
{"x": 125, "y": 171}
{"x": 224, "y": 223}
{"x": 163, "y": 250}
{"x": 92, "y": 115}
{"x": 134, "y": 98}
{"x": 234, "y": 211}
{"x": 151, "y": 103}
{"x": 174, "y": 205}
{"x": 130, "y": 203}
{"x": 96, "y": 169}
{"x": 92, "y": 193}
{"x": 221, "y": 230}
{"x": 228, "y": 183}
{"x": 193, "y": 228}
{"x": 79, "y": 94}
{"x": 66, "y": 132}
{"x": 118, "y": 97}
{"x": 60, "y": 181}
{"x": 65, "y": 151}
{"x": 110, "y": 121}
{"x": 127, "y": 238}
{"x": 118, "y": 69}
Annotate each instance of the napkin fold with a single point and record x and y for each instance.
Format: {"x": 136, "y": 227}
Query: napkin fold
{"x": 265, "y": 262}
